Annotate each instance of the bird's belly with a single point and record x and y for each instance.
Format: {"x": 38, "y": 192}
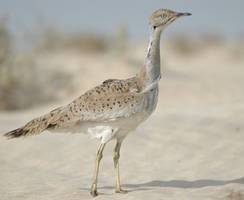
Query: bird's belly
{"x": 104, "y": 132}
{"x": 107, "y": 130}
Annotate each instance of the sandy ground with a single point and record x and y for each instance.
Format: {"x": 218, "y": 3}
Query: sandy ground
{"x": 192, "y": 147}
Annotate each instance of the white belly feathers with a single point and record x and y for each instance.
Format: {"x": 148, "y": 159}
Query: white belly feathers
{"x": 105, "y": 133}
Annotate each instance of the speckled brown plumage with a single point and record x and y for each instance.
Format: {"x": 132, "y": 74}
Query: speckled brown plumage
{"x": 113, "y": 98}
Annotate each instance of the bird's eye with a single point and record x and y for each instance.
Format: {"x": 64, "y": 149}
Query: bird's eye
{"x": 154, "y": 27}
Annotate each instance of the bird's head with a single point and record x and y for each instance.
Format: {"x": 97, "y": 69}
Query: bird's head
{"x": 163, "y": 17}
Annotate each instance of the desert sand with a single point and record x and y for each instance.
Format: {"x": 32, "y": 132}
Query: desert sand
{"x": 192, "y": 147}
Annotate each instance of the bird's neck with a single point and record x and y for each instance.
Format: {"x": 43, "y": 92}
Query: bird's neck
{"x": 151, "y": 73}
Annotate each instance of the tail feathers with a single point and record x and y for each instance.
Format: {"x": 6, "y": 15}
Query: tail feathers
{"x": 34, "y": 127}
{"x": 16, "y": 133}
{"x": 37, "y": 125}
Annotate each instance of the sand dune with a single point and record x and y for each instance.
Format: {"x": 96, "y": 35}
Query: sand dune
{"x": 191, "y": 148}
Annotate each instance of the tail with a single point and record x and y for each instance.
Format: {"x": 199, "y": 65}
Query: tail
{"x": 38, "y": 125}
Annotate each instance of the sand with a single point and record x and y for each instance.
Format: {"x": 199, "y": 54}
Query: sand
{"x": 192, "y": 147}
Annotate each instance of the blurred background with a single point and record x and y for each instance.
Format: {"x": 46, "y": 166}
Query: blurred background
{"x": 49, "y": 48}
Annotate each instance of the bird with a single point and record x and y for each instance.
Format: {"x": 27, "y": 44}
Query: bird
{"x": 114, "y": 108}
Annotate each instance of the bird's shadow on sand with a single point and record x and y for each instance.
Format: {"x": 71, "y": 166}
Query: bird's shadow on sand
{"x": 185, "y": 184}
{"x": 177, "y": 184}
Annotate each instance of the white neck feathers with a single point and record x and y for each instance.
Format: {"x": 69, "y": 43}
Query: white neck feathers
{"x": 153, "y": 71}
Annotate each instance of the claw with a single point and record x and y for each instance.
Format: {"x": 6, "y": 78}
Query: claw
{"x": 122, "y": 191}
{"x": 95, "y": 193}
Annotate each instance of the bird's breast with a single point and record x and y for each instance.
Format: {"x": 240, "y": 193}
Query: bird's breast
{"x": 151, "y": 100}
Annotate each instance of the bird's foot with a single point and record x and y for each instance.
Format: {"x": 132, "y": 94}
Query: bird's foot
{"x": 94, "y": 191}
{"x": 119, "y": 190}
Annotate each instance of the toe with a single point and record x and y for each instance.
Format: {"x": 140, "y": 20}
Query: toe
{"x": 122, "y": 191}
{"x": 94, "y": 193}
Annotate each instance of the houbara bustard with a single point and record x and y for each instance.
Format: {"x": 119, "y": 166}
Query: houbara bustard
{"x": 114, "y": 108}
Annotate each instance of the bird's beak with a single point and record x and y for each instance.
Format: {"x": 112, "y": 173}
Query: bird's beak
{"x": 183, "y": 14}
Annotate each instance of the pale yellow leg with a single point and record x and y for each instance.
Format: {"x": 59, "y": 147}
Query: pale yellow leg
{"x": 116, "y": 166}
{"x": 98, "y": 159}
